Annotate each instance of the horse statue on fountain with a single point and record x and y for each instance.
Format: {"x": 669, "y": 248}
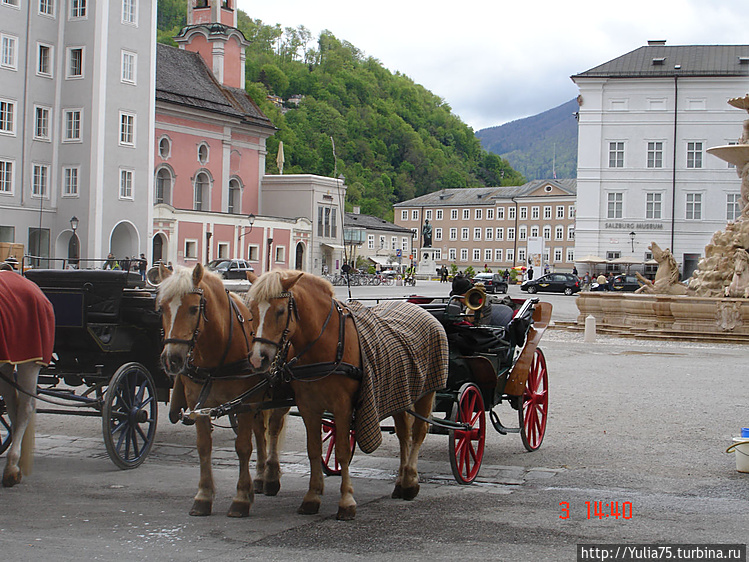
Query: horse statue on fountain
{"x": 739, "y": 286}
{"x": 666, "y": 278}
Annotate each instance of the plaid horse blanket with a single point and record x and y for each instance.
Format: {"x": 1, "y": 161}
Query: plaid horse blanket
{"x": 27, "y": 321}
{"x": 404, "y": 356}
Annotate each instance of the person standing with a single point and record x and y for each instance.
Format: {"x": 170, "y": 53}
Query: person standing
{"x": 142, "y": 263}
{"x": 574, "y": 270}
{"x": 530, "y": 273}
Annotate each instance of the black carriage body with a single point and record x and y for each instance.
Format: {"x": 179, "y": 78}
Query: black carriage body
{"x": 103, "y": 319}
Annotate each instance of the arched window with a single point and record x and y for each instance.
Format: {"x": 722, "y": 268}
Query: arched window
{"x": 165, "y": 148}
{"x": 202, "y": 184}
{"x": 203, "y": 153}
{"x": 163, "y": 186}
{"x": 235, "y": 197}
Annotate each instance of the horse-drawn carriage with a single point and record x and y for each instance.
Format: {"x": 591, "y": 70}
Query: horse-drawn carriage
{"x": 106, "y": 358}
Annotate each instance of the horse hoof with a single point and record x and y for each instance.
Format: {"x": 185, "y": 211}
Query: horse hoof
{"x": 346, "y": 513}
{"x": 308, "y": 508}
{"x": 258, "y": 486}
{"x": 271, "y": 488}
{"x": 201, "y": 508}
{"x": 10, "y": 480}
{"x": 239, "y": 509}
{"x": 397, "y": 492}
{"x": 410, "y": 493}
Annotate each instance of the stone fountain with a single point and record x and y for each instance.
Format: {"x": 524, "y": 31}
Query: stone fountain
{"x": 716, "y": 303}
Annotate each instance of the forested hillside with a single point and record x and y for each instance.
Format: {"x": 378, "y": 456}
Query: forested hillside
{"x": 394, "y": 139}
{"x": 531, "y": 144}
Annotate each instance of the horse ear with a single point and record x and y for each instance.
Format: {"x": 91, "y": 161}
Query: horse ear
{"x": 251, "y": 277}
{"x": 197, "y": 274}
{"x": 164, "y": 272}
{"x": 288, "y": 282}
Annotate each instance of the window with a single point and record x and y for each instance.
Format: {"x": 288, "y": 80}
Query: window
{"x": 557, "y": 254}
{"x": 466, "y": 214}
{"x": 464, "y": 234}
{"x": 127, "y": 129}
{"x": 733, "y": 210}
{"x": 454, "y": 214}
{"x": 655, "y": 154}
{"x": 547, "y": 212}
{"x": 694, "y": 155}
{"x": 570, "y": 255}
{"x": 8, "y": 51}
{"x": 571, "y": 212}
{"x": 479, "y": 214}
{"x": 165, "y": 148}
{"x": 129, "y": 11}
{"x": 489, "y": 233}
{"x": 75, "y": 62}
{"x": 560, "y": 211}
{"x": 498, "y": 255}
{"x": 438, "y": 234}
{"x": 191, "y": 249}
{"x": 547, "y": 232}
{"x": 404, "y": 215}
{"x": 476, "y": 254}
{"x": 614, "y": 210}
{"x": 511, "y": 255}
{"x": 11, "y": 3}
{"x": 559, "y": 233}
{"x": 404, "y": 244}
{"x": 535, "y": 213}
{"x": 437, "y": 254}
{"x": 129, "y": 62}
{"x": 382, "y": 243}
{"x": 234, "y": 197}
{"x": 72, "y": 125}
{"x": 452, "y": 253}
{"x": 7, "y": 117}
{"x": 201, "y": 192}
{"x": 70, "y": 181}
{"x": 463, "y": 254}
{"x": 490, "y": 214}
{"x": 163, "y": 186}
{"x": 521, "y": 255}
{"x": 500, "y": 213}
{"x": 523, "y": 213}
{"x": 126, "y": 184}
{"x": 453, "y": 234}
{"x": 203, "y": 153}
{"x": 477, "y": 233}
{"x": 570, "y": 232}
{"x": 333, "y": 226}
{"x": 487, "y": 254}
{"x": 44, "y": 61}
{"x": 653, "y": 206}
{"x": 428, "y": 214}
{"x": 47, "y": 7}
{"x": 415, "y": 215}
{"x": 40, "y": 181}
{"x": 616, "y": 155}
{"x": 438, "y": 215}
{"x": 370, "y": 239}
{"x": 77, "y": 8}
{"x": 41, "y": 123}
{"x": 534, "y": 230}
{"x": 511, "y": 213}
{"x": 523, "y": 233}
{"x": 511, "y": 233}
{"x": 6, "y": 177}
{"x": 280, "y": 254}
{"x": 500, "y": 234}
{"x": 253, "y": 253}
{"x": 694, "y": 206}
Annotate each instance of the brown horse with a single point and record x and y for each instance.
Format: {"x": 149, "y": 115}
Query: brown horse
{"x": 303, "y": 336}
{"x": 205, "y": 349}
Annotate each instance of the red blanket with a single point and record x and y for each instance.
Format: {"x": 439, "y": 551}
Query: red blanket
{"x": 27, "y": 321}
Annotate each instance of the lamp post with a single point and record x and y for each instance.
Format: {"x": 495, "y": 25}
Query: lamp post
{"x": 73, "y": 245}
{"x": 632, "y": 238}
{"x": 251, "y": 220}
{"x": 270, "y": 244}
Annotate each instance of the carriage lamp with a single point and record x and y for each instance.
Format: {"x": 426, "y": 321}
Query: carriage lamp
{"x": 74, "y": 223}
{"x": 632, "y": 238}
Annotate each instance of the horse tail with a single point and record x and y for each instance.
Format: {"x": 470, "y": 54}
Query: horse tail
{"x": 26, "y": 462}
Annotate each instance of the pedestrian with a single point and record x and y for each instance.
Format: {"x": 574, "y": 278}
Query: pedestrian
{"x": 530, "y": 273}
{"x": 110, "y": 263}
{"x": 142, "y": 263}
{"x": 574, "y": 270}
{"x": 126, "y": 264}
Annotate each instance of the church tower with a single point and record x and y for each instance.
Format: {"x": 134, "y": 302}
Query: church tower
{"x": 212, "y": 32}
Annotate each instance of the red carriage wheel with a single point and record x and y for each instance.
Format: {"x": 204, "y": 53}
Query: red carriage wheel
{"x": 535, "y": 403}
{"x": 467, "y": 446}
{"x": 330, "y": 465}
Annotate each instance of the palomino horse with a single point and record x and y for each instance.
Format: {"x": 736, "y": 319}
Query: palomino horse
{"x": 27, "y": 336}
{"x": 303, "y": 336}
{"x": 205, "y": 348}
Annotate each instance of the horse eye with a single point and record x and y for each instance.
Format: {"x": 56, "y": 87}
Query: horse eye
{"x": 194, "y": 310}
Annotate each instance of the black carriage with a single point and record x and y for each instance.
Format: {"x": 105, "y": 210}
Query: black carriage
{"x": 106, "y": 357}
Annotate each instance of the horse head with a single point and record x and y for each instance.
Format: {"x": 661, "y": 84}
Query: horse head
{"x": 273, "y": 310}
{"x": 658, "y": 254}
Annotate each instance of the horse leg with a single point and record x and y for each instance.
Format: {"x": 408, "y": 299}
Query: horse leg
{"x": 22, "y": 412}
{"x": 313, "y": 424}
{"x": 273, "y": 465}
{"x": 204, "y": 498}
{"x": 410, "y": 475}
{"x": 259, "y": 428}
{"x": 403, "y": 423}
{"x": 240, "y": 505}
{"x": 347, "y": 503}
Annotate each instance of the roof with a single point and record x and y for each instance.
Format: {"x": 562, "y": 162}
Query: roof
{"x": 658, "y": 60}
{"x": 183, "y": 78}
{"x": 372, "y": 223}
{"x": 485, "y": 195}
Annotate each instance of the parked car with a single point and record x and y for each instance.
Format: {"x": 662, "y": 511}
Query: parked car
{"x": 566, "y": 283}
{"x": 620, "y": 283}
{"x": 230, "y": 269}
{"x": 493, "y": 282}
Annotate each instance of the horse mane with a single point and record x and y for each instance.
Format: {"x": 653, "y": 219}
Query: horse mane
{"x": 673, "y": 267}
{"x": 269, "y": 285}
{"x": 180, "y": 283}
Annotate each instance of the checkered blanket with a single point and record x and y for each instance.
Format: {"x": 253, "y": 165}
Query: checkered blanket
{"x": 404, "y": 355}
{"x": 27, "y": 321}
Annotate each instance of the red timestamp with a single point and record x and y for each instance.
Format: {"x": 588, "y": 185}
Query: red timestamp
{"x": 601, "y": 510}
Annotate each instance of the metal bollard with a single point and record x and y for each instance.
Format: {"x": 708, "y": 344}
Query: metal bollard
{"x": 590, "y": 328}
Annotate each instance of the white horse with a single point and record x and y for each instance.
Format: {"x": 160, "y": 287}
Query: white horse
{"x": 27, "y": 333}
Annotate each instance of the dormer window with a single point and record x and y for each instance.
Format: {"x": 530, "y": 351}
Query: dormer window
{"x": 659, "y": 61}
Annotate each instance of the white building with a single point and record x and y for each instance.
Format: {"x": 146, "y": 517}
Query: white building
{"x": 76, "y": 125}
{"x": 643, "y": 174}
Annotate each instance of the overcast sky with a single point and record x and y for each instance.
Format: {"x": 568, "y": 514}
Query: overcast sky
{"x": 495, "y": 61}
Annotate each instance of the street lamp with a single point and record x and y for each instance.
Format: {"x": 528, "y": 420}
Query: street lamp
{"x": 73, "y": 246}
{"x": 251, "y": 220}
{"x": 632, "y": 238}
{"x": 270, "y": 244}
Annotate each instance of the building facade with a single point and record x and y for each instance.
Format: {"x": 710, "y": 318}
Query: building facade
{"x": 645, "y": 121}
{"x": 76, "y": 126}
{"x": 381, "y": 243}
{"x": 497, "y": 227}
